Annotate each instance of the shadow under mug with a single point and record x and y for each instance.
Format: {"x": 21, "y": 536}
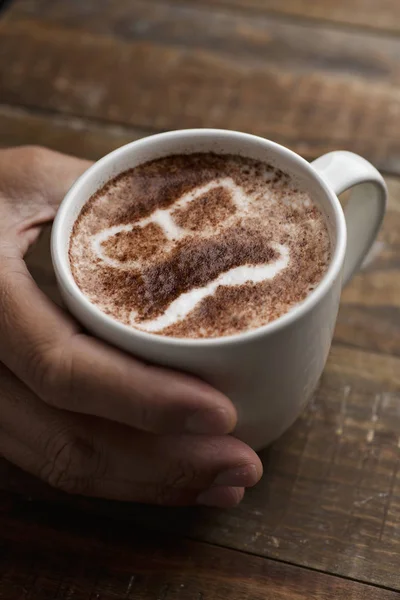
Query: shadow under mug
{"x": 271, "y": 372}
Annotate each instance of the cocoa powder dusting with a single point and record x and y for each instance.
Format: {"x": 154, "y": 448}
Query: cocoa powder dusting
{"x": 143, "y": 266}
{"x": 195, "y": 263}
{"x": 208, "y": 210}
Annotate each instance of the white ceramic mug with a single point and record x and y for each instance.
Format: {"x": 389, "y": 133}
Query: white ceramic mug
{"x": 268, "y": 373}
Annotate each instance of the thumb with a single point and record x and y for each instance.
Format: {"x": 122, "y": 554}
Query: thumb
{"x": 58, "y": 173}
{"x": 32, "y": 175}
{"x": 33, "y": 181}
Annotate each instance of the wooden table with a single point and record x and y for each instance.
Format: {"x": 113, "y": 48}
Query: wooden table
{"x": 85, "y": 76}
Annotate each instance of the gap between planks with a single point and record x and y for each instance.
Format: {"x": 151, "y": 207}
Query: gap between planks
{"x": 113, "y": 128}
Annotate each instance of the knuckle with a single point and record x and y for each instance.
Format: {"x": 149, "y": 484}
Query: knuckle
{"x": 183, "y": 474}
{"x": 12, "y": 273}
{"x": 165, "y": 496}
{"x": 53, "y": 370}
{"x": 72, "y": 463}
{"x": 42, "y": 370}
{"x": 61, "y": 460}
{"x": 35, "y": 355}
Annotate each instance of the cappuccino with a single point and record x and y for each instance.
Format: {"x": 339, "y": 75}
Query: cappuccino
{"x": 199, "y": 246}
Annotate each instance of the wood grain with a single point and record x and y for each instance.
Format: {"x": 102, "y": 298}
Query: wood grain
{"x": 80, "y": 137}
{"x": 188, "y": 25}
{"x": 157, "y": 67}
{"x": 330, "y": 496}
{"x": 47, "y": 553}
{"x": 84, "y": 77}
{"x": 383, "y": 15}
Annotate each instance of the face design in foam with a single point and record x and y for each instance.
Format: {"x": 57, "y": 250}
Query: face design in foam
{"x": 164, "y": 219}
{"x": 215, "y": 257}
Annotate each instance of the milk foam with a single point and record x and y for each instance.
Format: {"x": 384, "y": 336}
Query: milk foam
{"x": 253, "y": 230}
{"x": 182, "y": 306}
{"x": 185, "y": 303}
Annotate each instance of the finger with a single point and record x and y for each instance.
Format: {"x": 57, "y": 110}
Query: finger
{"x": 219, "y": 496}
{"x": 22, "y": 456}
{"x": 39, "y": 173}
{"x": 76, "y": 372}
{"x": 89, "y": 456}
{"x": 33, "y": 181}
{"x": 171, "y": 469}
{"x": 58, "y": 173}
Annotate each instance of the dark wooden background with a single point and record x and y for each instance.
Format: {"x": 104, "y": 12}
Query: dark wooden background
{"x": 87, "y": 76}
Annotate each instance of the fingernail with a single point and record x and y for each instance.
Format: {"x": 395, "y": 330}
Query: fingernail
{"x": 221, "y": 497}
{"x": 242, "y": 476}
{"x": 215, "y": 421}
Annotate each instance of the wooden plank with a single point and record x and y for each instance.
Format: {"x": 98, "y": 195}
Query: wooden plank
{"x": 164, "y": 67}
{"x": 80, "y": 137}
{"x": 47, "y": 553}
{"x": 384, "y": 15}
{"x": 330, "y": 496}
{"x": 273, "y": 39}
{"x": 187, "y": 24}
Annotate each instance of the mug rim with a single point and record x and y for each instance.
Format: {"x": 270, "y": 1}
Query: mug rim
{"x": 65, "y": 278}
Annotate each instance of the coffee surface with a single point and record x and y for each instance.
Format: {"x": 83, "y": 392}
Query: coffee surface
{"x": 199, "y": 245}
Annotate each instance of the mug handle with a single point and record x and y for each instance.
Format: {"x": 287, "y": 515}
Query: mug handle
{"x": 365, "y": 210}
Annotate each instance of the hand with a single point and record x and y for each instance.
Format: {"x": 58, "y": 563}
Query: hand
{"x": 82, "y": 415}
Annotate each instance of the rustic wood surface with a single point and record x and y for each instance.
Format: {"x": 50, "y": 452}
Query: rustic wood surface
{"x": 81, "y": 560}
{"x": 384, "y": 14}
{"x": 84, "y": 78}
{"x": 307, "y": 85}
